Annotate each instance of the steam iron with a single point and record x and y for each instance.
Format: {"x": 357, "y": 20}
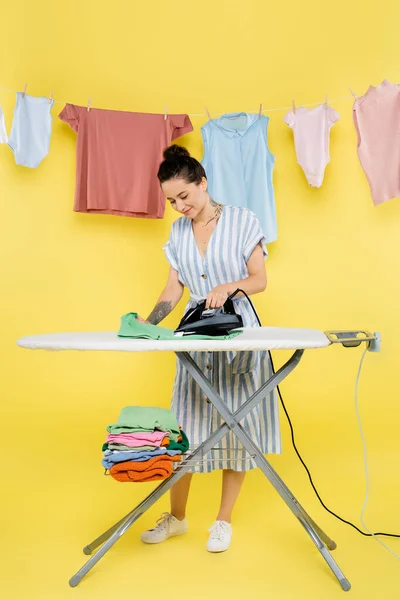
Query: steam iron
{"x": 213, "y": 322}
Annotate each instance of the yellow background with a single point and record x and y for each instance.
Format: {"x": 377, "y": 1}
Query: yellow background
{"x": 335, "y": 265}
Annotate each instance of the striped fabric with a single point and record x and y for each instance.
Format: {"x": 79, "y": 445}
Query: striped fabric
{"x": 234, "y": 375}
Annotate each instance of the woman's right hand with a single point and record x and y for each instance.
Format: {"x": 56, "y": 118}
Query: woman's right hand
{"x": 141, "y": 320}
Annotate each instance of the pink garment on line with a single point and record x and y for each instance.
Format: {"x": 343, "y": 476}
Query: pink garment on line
{"x": 153, "y": 438}
{"x": 376, "y": 117}
{"x": 117, "y": 159}
{"x": 311, "y": 130}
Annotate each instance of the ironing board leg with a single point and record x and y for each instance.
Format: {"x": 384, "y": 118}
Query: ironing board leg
{"x": 133, "y": 514}
{"x": 320, "y": 539}
{"x": 233, "y": 420}
{"x": 112, "y": 535}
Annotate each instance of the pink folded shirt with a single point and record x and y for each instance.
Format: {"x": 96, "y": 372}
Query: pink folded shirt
{"x": 144, "y": 438}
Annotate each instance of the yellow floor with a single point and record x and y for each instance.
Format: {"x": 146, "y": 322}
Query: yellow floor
{"x": 55, "y": 509}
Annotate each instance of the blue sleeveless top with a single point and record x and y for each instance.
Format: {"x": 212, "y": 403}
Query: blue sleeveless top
{"x": 239, "y": 166}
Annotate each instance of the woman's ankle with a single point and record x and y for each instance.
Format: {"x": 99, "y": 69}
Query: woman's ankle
{"x": 224, "y": 517}
{"x": 179, "y": 516}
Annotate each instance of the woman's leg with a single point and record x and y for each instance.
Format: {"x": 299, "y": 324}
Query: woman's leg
{"x": 179, "y": 496}
{"x": 231, "y": 484}
{"x": 168, "y": 526}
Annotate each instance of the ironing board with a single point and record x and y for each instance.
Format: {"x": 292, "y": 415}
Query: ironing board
{"x": 263, "y": 338}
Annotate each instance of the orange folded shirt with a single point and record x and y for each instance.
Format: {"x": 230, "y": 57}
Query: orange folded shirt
{"x": 159, "y": 467}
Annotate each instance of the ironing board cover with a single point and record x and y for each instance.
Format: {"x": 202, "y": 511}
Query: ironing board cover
{"x": 262, "y": 338}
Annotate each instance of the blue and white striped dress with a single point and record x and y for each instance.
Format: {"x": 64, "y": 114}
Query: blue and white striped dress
{"x": 234, "y": 375}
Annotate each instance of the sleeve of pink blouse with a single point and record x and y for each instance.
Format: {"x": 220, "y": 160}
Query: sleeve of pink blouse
{"x": 181, "y": 124}
{"x": 70, "y": 114}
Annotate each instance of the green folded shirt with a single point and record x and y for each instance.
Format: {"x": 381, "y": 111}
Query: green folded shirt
{"x": 146, "y": 418}
{"x": 132, "y": 328}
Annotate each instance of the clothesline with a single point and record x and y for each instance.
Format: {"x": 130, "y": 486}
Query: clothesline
{"x": 266, "y": 110}
{"x": 279, "y": 108}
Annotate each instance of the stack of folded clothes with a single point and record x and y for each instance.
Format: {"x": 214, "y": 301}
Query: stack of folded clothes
{"x": 143, "y": 444}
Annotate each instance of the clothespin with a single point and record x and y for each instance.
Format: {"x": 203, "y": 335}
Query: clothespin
{"x": 24, "y": 92}
{"x": 89, "y": 103}
{"x": 326, "y": 102}
{"x": 166, "y": 113}
{"x": 260, "y": 113}
{"x": 208, "y": 114}
{"x": 51, "y": 97}
{"x": 294, "y": 107}
{"x": 353, "y": 94}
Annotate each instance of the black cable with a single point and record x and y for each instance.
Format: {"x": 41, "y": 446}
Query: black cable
{"x": 298, "y": 453}
{"x": 309, "y": 474}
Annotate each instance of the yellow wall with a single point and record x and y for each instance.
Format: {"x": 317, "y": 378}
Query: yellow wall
{"x": 335, "y": 264}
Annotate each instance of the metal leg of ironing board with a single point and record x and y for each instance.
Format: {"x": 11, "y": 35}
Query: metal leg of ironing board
{"x": 109, "y": 537}
{"x": 233, "y": 420}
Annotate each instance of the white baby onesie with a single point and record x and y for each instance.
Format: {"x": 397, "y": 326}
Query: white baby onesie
{"x": 311, "y": 130}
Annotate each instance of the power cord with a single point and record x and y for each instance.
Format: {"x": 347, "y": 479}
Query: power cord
{"x": 366, "y": 467}
{"x": 370, "y": 533}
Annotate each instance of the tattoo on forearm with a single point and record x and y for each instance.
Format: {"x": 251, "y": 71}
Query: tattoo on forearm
{"x": 159, "y": 312}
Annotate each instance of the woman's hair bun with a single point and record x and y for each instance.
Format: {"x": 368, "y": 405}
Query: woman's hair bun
{"x": 175, "y": 152}
{"x": 178, "y": 164}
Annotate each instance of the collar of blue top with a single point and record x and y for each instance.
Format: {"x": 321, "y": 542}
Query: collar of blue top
{"x": 224, "y": 121}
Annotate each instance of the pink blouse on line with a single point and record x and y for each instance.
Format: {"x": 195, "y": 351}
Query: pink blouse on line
{"x": 376, "y": 118}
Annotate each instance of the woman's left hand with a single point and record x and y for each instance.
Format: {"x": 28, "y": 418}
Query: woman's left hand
{"x": 217, "y": 297}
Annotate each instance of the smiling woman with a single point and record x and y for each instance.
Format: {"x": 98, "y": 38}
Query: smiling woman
{"x": 184, "y": 182}
{"x": 213, "y": 250}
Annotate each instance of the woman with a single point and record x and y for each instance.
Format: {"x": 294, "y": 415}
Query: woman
{"x": 213, "y": 250}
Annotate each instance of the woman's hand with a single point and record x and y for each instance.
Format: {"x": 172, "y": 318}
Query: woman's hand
{"x": 140, "y": 320}
{"x": 217, "y": 297}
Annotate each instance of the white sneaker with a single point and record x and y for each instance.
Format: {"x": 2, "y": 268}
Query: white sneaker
{"x": 167, "y": 526}
{"x": 220, "y": 537}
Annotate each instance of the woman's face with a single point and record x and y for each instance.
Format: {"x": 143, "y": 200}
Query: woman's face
{"x": 188, "y": 199}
